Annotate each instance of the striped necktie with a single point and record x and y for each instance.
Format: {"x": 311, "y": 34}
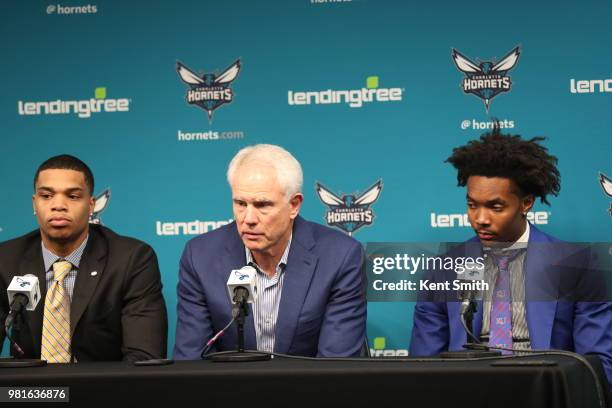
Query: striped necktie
{"x": 501, "y": 305}
{"x": 55, "y": 344}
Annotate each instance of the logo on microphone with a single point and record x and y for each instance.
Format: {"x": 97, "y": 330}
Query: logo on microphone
{"x": 349, "y": 212}
{"x": 99, "y": 207}
{"x": 486, "y": 79}
{"x": 241, "y": 276}
{"x": 209, "y": 91}
{"x": 23, "y": 283}
{"x": 606, "y": 184}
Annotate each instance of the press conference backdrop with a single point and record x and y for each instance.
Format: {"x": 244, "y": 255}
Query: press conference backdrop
{"x": 157, "y": 96}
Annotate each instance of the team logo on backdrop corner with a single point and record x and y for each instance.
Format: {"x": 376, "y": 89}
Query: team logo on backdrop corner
{"x": 209, "y": 91}
{"x": 486, "y": 79}
{"x": 349, "y": 212}
{"x": 606, "y": 184}
{"x": 101, "y": 203}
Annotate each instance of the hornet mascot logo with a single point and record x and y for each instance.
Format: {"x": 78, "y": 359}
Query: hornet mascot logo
{"x": 349, "y": 213}
{"x": 209, "y": 91}
{"x": 100, "y": 205}
{"x": 606, "y": 184}
{"x": 486, "y": 79}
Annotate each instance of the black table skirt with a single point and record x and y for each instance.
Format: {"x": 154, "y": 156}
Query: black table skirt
{"x": 287, "y": 382}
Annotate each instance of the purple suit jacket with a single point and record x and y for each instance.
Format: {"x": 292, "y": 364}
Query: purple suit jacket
{"x": 557, "y": 316}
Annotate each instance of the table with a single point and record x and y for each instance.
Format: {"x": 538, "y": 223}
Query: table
{"x": 565, "y": 382}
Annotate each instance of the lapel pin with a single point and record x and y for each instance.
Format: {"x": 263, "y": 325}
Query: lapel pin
{"x": 94, "y": 273}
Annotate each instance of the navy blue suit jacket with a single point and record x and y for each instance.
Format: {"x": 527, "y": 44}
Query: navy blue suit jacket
{"x": 566, "y": 304}
{"x": 322, "y": 310}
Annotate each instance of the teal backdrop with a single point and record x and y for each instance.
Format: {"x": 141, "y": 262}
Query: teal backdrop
{"x": 164, "y": 160}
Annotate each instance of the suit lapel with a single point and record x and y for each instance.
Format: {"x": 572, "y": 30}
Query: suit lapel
{"x": 541, "y": 289}
{"x": 32, "y": 263}
{"x": 299, "y": 271}
{"x": 235, "y": 258}
{"x": 94, "y": 260}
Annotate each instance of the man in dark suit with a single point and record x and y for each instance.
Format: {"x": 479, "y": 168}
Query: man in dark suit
{"x": 100, "y": 292}
{"x": 543, "y": 293}
{"x": 311, "y": 284}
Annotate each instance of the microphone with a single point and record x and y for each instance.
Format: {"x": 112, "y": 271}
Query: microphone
{"x": 242, "y": 290}
{"x": 470, "y": 286}
{"x": 23, "y": 292}
{"x": 241, "y": 286}
{"x": 470, "y": 289}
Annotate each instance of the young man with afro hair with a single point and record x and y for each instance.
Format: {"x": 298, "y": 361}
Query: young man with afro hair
{"x": 540, "y": 293}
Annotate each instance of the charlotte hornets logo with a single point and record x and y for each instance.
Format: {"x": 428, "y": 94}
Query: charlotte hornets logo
{"x": 349, "y": 212}
{"x": 486, "y": 79}
{"x": 606, "y": 184}
{"x": 209, "y": 91}
{"x": 100, "y": 205}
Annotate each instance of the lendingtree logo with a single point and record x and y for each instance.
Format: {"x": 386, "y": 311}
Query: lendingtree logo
{"x": 355, "y": 98}
{"x": 195, "y": 227}
{"x": 379, "y": 349}
{"x": 83, "y": 108}
{"x": 591, "y": 86}
{"x": 462, "y": 220}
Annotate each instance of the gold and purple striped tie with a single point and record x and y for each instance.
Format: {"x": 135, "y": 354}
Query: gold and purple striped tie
{"x": 55, "y": 344}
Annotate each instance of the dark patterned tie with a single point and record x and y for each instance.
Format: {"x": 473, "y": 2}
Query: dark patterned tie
{"x": 501, "y": 303}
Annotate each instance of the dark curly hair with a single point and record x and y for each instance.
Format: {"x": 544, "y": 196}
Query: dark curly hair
{"x": 526, "y": 162}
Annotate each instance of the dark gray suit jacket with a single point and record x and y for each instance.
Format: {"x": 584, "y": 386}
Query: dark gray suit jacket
{"x": 118, "y": 313}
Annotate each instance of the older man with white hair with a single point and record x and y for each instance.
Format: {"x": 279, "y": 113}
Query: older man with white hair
{"x": 311, "y": 283}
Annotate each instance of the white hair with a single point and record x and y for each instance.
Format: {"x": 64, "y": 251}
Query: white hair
{"x": 288, "y": 169}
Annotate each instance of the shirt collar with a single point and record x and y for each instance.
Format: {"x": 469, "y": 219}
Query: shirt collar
{"x": 281, "y": 263}
{"x": 520, "y": 243}
{"x": 74, "y": 258}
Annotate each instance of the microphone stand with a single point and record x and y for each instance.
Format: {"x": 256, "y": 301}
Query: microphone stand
{"x": 468, "y": 316}
{"x": 474, "y": 348}
{"x": 240, "y": 311}
{"x": 13, "y": 320}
